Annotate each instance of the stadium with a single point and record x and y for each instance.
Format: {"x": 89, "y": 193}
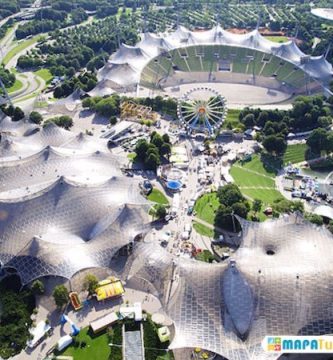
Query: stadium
{"x": 245, "y": 68}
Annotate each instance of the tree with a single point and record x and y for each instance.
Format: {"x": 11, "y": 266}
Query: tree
{"x": 64, "y": 121}
{"x": 18, "y": 114}
{"x": 37, "y": 287}
{"x": 166, "y": 138}
{"x": 160, "y": 211}
{"x": 141, "y": 149}
{"x": 262, "y": 118}
{"x": 314, "y": 219}
{"x": 229, "y": 194}
{"x": 241, "y": 209}
{"x": 152, "y": 161}
{"x": 328, "y": 145}
{"x": 157, "y": 140}
{"x": 284, "y": 206}
{"x": 113, "y": 120}
{"x": 324, "y": 121}
{"x": 317, "y": 139}
{"x": 166, "y": 150}
{"x": 257, "y": 205}
{"x": 248, "y": 120}
{"x": 275, "y": 144}
{"x": 90, "y": 283}
{"x": 60, "y": 295}
{"x": 35, "y": 117}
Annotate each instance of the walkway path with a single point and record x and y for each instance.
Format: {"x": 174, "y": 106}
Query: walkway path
{"x": 133, "y": 345}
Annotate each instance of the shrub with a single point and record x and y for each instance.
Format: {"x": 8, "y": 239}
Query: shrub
{"x": 35, "y": 117}
{"x": 60, "y": 295}
{"x": 37, "y": 287}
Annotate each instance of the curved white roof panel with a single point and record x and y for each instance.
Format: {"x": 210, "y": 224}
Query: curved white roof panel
{"x": 276, "y": 283}
{"x": 288, "y": 51}
{"x": 325, "y": 13}
{"x": 67, "y": 227}
{"x": 126, "y": 65}
{"x": 135, "y": 56}
{"x": 324, "y": 210}
{"x": 49, "y": 164}
{"x": 318, "y": 67}
{"x": 121, "y": 74}
{"x": 153, "y": 44}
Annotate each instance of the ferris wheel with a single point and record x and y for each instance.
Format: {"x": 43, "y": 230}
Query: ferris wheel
{"x": 202, "y": 109}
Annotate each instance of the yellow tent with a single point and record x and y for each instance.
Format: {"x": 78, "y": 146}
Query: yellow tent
{"x": 110, "y": 290}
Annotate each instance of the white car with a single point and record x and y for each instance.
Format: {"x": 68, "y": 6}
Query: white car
{"x": 185, "y": 235}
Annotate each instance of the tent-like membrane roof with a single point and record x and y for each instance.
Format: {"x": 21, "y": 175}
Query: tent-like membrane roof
{"x": 64, "y": 206}
{"x": 67, "y": 227}
{"x": 126, "y": 65}
{"x": 278, "y": 282}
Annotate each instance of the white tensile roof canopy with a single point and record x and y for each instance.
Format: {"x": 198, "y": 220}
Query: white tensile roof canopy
{"x": 124, "y": 67}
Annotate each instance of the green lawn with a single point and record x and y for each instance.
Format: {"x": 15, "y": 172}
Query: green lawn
{"x": 295, "y": 153}
{"x": 278, "y": 39}
{"x": 158, "y": 197}
{"x": 206, "y": 207}
{"x": 255, "y": 181}
{"x": 232, "y": 119}
{"x": 17, "y": 86}
{"x": 97, "y": 347}
{"x": 203, "y": 230}
{"x": 19, "y": 47}
{"x": 248, "y": 179}
{"x": 45, "y": 74}
{"x": 256, "y": 165}
{"x": 267, "y": 196}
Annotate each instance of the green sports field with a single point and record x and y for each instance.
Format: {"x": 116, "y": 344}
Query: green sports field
{"x": 255, "y": 180}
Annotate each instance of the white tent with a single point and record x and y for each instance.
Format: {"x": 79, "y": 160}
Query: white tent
{"x": 38, "y": 333}
{"x": 63, "y": 342}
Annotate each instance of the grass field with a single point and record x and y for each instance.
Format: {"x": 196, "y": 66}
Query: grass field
{"x": 267, "y": 196}
{"x": 45, "y": 74}
{"x": 245, "y": 178}
{"x": 18, "y": 48}
{"x": 203, "y": 230}
{"x": 158, "y": 197}
{"x": 96, "y": 347}
{"x": 256, "y": 165}
{"x": 17, "y": 86}
{"x": 295, "y": 153}
{"x": 278, "y": 39}
{"x": 232, "y": 119}
{"x": 206, "y": 207}
{"x": 255, "y": 181}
